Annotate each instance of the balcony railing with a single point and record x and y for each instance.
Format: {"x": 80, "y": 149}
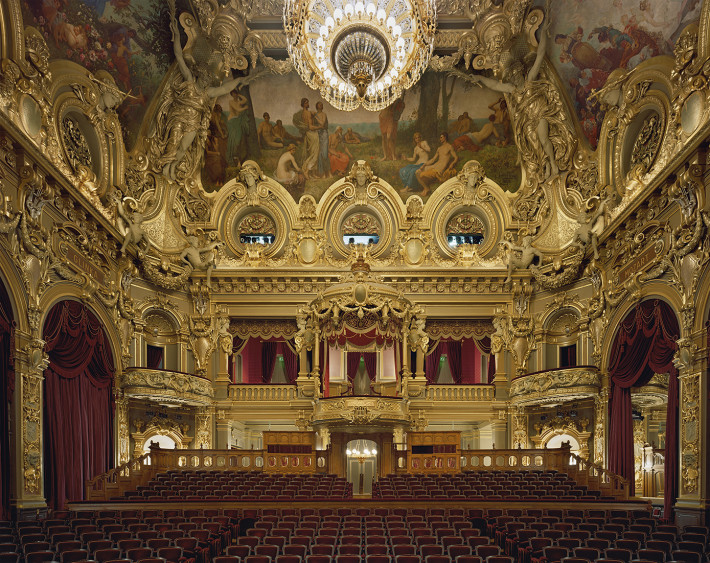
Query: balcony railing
{"x": 251, "y": 392}
{"x": 459, "y": 392}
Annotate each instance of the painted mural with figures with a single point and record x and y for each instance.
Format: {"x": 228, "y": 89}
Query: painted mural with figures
{"x": 129, "y": 39}
{"x": 590, "y": 43}
{"x": 417, "y": 143}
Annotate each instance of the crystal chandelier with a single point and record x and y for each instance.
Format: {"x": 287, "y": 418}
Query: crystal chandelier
{"x": 360, "y": 53}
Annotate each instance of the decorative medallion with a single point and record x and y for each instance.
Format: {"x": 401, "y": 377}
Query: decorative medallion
{"x": 75, "y": 144}
{"x": 465, "y": 228}
{"x": 361, "y": 224}
{"x": 257, "y": 228}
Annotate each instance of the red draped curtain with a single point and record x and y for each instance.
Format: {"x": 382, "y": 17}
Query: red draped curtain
{"x": 237, "y": 346}
{"x": 268, "y": 360}
{"x": 370, "y": 364}
{"x": 484, "y": 345}
{"x": 644, "y": 344}
{"x": 454, "y": 356}
{"x": 290, "y": 361}
{"x": 78, "y": 402}
{"x": 7, "y": 389}
{"x": 431, "y": 362}
{"x": 353, "y": 363}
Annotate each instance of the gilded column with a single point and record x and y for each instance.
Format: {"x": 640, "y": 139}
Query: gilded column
{"x": 520, "y": 428}
{"x": 203, "y": 428}
{"x": 691, "y": 506}
{"x": 123, "y": 450}
{"x": 601, "y": 406}
{"x": 32, "y": 361}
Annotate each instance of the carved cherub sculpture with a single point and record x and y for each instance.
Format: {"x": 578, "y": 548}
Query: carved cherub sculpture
{"x": 585, "y": 233}
{"x": 305, "y": 335}
{"x": 133, "y": 220}
{"x": 527, "y": 254}
{"x": 418, "y": 338}
{"x": 193, "y": 255}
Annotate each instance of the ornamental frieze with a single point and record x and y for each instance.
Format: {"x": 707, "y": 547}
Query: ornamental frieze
{"x": 263, "y": 328}
{"x": 459, "y": 328}
{"x": 361, "y": 410}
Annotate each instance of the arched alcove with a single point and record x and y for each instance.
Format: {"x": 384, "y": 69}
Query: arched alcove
{"x": 361, "y": 455}
{"x": 644, "y": 345}
{"x": 78, "y": 401}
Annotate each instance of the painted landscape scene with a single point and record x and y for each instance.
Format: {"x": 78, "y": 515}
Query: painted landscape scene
{"x": 416, "y": 144}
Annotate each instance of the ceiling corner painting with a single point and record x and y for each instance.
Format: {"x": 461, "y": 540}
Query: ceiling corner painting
{"x": 590, "y": 39}
{"x": 420, "y": 141}
{"x": 128, "y": 38}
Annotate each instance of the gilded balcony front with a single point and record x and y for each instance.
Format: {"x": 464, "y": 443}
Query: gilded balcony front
{"x": 555, "y": 385}
{"x": 165, "y": 386}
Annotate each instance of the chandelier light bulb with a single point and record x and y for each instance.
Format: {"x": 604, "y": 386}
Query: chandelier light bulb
{"x": 367, "y": 452}
{"x": 348, "y": 452}
{"x": 390, "y": 22}
{"x": 349, "y": 11}
{"x": 381, "y": 15}
{"x": 320, "y": 42}
{"x": 371, "y": 9}
{"x": 359, "y": 8}
{"x": 374, "y": 451}
{"x": 397, "y": 31}
{"x": 338, "y": 15}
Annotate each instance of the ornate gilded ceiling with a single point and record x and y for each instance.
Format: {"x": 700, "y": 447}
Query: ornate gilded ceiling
{"x": 537, "y": 126}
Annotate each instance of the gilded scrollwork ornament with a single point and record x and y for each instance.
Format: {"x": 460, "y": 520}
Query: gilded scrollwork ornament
{"x": 690, "y": 420}
{"x": 520, "y": 429}
{"x": 203, "y": 428}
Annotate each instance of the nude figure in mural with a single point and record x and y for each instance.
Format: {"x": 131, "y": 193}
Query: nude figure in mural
{"x": 440, "y": 167}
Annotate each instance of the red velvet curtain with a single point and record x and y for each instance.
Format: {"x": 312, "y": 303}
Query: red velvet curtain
{"x": 78, "y": 402}
{"x": 155, "y": 357}
{"x": 454, "y": 356}
{"x": 370, "y": 364}
{"x": 353, "y": 363}
{"x": 290, "y": 363}
{"x": 644, "y": 344}
{"x": 7, "y": 388}
{"x": 484, "y": 345}
{"x": 268, "y": 360}
{"x": 431, "y": 362}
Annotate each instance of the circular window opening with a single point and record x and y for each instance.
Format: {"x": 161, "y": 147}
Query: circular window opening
{"x": 361, "y": 228}
{"x": 465, "y": 228}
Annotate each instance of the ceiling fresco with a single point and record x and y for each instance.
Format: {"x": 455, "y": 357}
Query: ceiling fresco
{"x": 128, "y": 38}
{"x": 131, "y": 40}
{"x": 591, "y": 39}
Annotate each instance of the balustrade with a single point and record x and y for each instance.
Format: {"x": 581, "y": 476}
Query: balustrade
{"x": 460, "y": 392}
{"x": 250, "y": 392}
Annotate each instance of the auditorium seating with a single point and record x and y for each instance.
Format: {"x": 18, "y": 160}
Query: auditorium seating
{"x": 491, "y": 485}
{"x": 345, "y": 535}
{"x": 241, "y": 485}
